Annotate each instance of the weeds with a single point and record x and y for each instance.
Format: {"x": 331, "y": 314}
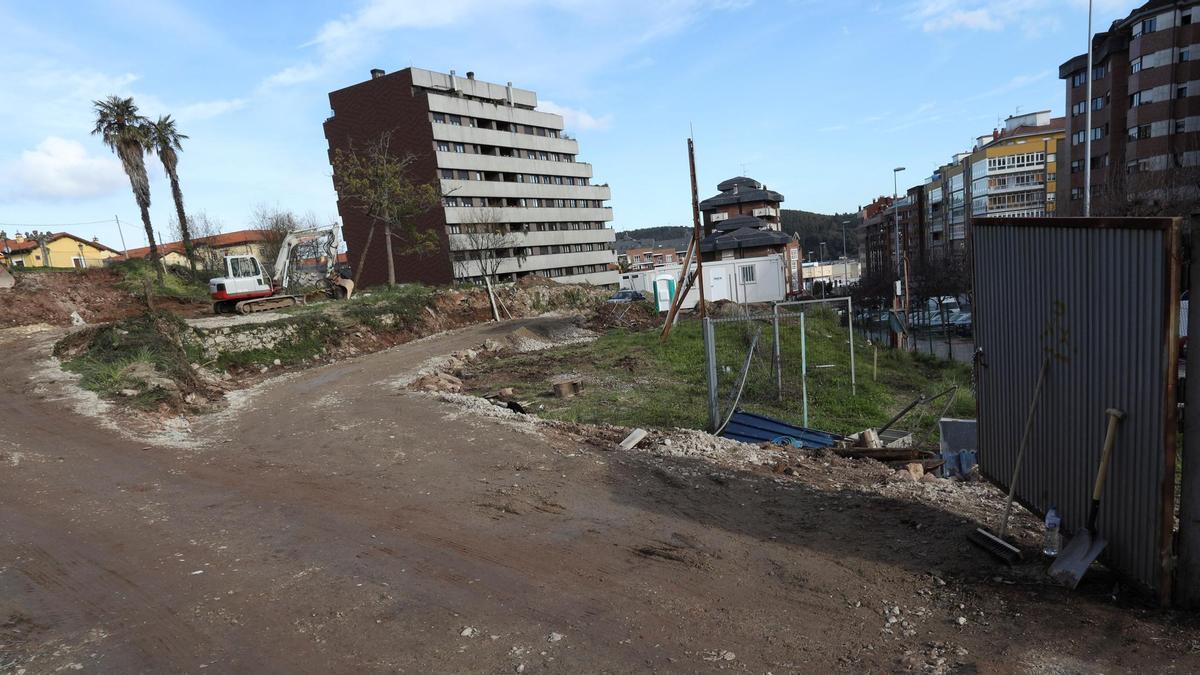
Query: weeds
{"x": 389, "y": 308}
{"x": 176, "y": 283}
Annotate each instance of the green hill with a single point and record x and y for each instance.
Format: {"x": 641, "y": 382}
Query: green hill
{"x": 813, "y": 229}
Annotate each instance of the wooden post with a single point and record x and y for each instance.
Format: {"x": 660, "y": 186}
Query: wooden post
{"x": 697, "y": 230}
{"x": 875, "y": 366}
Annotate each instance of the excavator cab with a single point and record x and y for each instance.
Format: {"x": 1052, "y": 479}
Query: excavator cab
{"x": 244, "y": 280}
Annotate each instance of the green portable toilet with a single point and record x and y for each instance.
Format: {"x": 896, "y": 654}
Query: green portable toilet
{"x": 664, "y": 292}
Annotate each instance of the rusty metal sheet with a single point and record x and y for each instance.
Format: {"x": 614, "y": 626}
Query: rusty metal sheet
{"x": 1099, "y": 298}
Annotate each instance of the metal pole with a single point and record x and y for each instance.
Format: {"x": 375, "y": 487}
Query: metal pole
{"x": 850, "y": 318}
{"x": 710, "y": 363}
{"x": 777, "y": 355}
{"x": 804, "y": 367}
{"x": 845, "y": 258}
{"x": 1087, "y": 141}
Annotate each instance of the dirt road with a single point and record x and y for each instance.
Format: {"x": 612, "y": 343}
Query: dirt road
{"x": 339, "y": 524}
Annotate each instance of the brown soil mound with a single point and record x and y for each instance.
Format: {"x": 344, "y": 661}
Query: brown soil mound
{"x": 94, "y": 294}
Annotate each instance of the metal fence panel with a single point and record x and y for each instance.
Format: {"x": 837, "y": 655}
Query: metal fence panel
{"x": 1099, "y": 298}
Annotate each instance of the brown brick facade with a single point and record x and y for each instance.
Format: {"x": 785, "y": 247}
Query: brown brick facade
{"x": 361, "y": 114}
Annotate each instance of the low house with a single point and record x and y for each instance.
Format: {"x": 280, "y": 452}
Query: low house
{"x": 211, "y": 250}
{"x": 740, "y": 280}
{"x": 60, "y": 249}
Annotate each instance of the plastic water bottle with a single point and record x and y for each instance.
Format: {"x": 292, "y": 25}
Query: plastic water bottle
{"x": 1053, "y": 539}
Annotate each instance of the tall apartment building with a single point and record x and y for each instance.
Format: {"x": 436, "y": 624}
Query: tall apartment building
{"x": 504, "y": 167}
{"x": 1145, "y": 111}
{"x": 1014, "y": 171}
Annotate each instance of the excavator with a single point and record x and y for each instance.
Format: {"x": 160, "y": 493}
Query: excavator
{"x": 248, "y": 287}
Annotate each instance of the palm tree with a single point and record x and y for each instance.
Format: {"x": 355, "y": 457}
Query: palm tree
{"x": 165, "y": 140}
{"x": 124, "y": 131}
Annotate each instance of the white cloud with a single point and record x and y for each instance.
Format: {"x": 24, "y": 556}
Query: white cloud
{"x": 203, "y": 110}
{"x": 339, "y": 42}
{"x": 1017, "y": 82}
{"x": 986, "y": 15}
{"x": 832, "y": 128}
{"x": 59, "y": 168}
{"x": 575, "y": 119}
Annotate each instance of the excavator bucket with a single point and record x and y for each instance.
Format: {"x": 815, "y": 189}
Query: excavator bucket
{"x": 6, "y": 278}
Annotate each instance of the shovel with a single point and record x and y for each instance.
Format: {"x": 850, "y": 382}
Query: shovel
{"x": 1087, "y": 544}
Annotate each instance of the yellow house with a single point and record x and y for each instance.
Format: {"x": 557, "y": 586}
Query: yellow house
{"x": 60, "y": 249}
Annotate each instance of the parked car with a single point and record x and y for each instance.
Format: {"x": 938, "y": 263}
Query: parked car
{"x": 961, "y": 323}
{"x": 627, "y": 296}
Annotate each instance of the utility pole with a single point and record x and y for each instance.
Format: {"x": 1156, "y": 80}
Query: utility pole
{"x": 124, "y": 248}
{"x": 1087, "y": 140}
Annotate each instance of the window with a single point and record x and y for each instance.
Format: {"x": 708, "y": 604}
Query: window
{"x": 1149, "y": 25}
{"x": 1184, "y": 55}
{"x": 1078, "y": 79}
{"x": 456, "y": 120}
{"x": 443, "y": 146}
{"x": 448, "y": 174}
{"x": 1053, "y": 175}
{"x": 1098, "y": 103}
{"x": 1078, "y": 137}
{"x": 1135, "y": 65}
{"x": 1138, "y": 98}
{"x": 746, "y": 274}
{"x": 1181, "y": 92}
{"x": 1098, "y": 73}
{"x": 19, "y": 263}
{"x": 1076, "y": 165}
{"x": 1079, "y": 108}
{"x": 440, "y": 118}
{"x": 243, "y": 267}
{"x": 1097, "y": 133}
{"x": 459, "y": 147}
{"x": 1052, "y": 157}
{"x": 1076, "y": 193}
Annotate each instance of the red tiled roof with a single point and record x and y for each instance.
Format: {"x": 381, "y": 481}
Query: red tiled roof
{"x": 223, "y": 240}
{"x": 30, "y": 244}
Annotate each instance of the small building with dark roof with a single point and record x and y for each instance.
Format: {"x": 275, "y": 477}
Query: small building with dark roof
{"x": 741, "y": 196}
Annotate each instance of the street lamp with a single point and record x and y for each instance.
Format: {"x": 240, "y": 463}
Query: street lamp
{"x": 1087, "y": 139}
{"x": 845, "y": 257}
{"x": 896, "y": 214}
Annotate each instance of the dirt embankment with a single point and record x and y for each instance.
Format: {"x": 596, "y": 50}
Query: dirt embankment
{"x": 163, "y": 364}
{"x": 94, "y": 295}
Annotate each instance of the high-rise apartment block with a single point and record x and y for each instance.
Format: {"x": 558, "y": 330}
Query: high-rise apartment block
{"x": 1145, "y": 108}
{"x": 516, "y": 200}
{"x": 1010, "y": 172}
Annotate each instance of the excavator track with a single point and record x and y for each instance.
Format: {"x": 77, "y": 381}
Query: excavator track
{"x": 267, "y": 304}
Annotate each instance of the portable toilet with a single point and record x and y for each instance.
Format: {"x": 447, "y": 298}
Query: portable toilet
{"x": 664, "y": 291}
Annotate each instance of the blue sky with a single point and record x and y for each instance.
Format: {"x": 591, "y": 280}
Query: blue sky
{"x": 819, "y": 99}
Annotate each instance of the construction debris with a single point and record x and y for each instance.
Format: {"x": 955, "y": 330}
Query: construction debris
{"x": 633, "y": 439}
{"x": 566, "y": 386}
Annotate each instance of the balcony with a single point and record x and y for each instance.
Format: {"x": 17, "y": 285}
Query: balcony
{"x": 466, "y": 214}
{"x": 538, "y": 262}
{"x": 475, "y": 162}
{"x": 455, "y": 133}
{"x": 462, "y": 242}
{"x": 502, "y": 189}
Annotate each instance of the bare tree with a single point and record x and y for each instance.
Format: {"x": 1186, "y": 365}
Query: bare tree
{"x": 375, "y": 182}
{"x": 276, "y": 224}
{"x": 487, "y": 244}
{"x": 202, "y": 229}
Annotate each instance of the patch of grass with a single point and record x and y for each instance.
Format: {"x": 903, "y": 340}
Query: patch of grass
{"x": 109, "y": 378}
{"x": 312, "y": 335}
{"x": 177, "y": 283}
{"x": 382, "y": 308}
{"x": 633, "y": 379}
{"x": 107, "y": 360}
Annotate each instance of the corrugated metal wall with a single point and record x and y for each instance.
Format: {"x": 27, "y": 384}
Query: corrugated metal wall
{"x": 1099, "y": 298}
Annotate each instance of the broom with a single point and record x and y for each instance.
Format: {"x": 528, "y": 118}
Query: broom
{"x": 995, "y": 544}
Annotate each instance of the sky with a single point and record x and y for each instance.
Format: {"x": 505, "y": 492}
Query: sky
{"x": 818, "y": 99}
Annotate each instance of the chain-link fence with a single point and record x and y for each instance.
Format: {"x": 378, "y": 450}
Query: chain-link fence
{"x": 781, "y": 363}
